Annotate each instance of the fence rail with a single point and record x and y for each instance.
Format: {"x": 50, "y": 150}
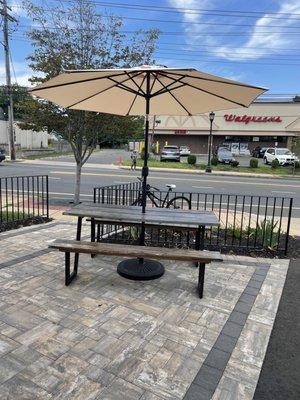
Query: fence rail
{"x": 23, "y": 198}
{"x": 246, "y": 221}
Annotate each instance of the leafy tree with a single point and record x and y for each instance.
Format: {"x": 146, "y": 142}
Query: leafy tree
{"x": 75, "y": 36}
{"x": 19, "y": 94}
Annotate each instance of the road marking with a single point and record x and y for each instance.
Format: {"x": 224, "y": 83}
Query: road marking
{"x": 280, "y": 191}
{"x": 202, "y": 187}
{"x": 70, "y": 194}
{"x": 186, "y": 179}
{"x": 54, "y": 178}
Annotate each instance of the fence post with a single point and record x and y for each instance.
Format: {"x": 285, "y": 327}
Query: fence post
{"x": 288, "y": 227}
{"x": 47, "y": 195}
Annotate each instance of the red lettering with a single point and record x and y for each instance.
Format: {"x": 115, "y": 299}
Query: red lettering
{"x": 229, "y": 117}
{"x": 251, "y": 118}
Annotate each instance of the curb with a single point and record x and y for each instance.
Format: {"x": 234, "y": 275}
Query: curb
{"x": 216, "y": 173}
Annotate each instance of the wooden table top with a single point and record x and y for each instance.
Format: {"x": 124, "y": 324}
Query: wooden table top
{"x": 167, "y": 217}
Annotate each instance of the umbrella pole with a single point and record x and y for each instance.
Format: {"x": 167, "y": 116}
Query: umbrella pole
{"x": 140, "y": 268}
{"x": 145, "y": 169}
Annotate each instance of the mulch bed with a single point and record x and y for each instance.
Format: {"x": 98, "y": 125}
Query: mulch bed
{"x": 163, "y": 239}
{"x": 7, "y": 226}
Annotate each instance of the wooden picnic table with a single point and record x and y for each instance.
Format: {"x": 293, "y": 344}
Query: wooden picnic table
{"x": 98, "y": 213}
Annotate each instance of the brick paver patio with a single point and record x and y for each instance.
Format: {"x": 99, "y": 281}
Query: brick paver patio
{"x": 105, "y": 337}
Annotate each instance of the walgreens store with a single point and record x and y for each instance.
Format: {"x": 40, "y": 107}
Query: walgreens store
{"x": 262, "y": 124}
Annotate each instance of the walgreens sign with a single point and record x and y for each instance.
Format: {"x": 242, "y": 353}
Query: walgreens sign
{"x": 250, "y": 118}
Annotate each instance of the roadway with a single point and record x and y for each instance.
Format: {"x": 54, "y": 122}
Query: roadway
{"x": 101, "y": 170}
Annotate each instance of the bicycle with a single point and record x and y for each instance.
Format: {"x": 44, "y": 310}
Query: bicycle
{"x": 157, "y": 201}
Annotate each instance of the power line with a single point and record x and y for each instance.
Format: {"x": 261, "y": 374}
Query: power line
{"x": 176, "y": 33}
{"x": 221, "y": 54}
{"x": 193, "y": 11}
{"x": 201, "y": 59}
{"x": 168, "y": 21}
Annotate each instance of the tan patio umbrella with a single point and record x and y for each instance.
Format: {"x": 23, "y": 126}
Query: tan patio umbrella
{"x": 146, "y": 90}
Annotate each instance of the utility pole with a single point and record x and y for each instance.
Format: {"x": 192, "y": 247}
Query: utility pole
{"x": 10, "y": 108}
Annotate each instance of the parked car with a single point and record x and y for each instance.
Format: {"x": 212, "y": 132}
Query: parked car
{"x": 184, "y": 151}
{"x": 258, "y": 152}
{"x": 2, "y": 155}
{"x": 170, "y": 153}
{"x": 283, "y": 155}
{"x": 225, "y": 156}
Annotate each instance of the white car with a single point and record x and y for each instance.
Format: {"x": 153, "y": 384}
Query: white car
{"x": 184, "y": 151}
{"x": 170, "y": 153}
{"x": 283, "y": 155}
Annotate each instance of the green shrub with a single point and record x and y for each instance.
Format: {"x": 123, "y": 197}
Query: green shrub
{"x": 214, "y": 160}
{"x": 275, "y": 164}
{"x": 142, "y": 154}
{"x": 253, "y": 163}
{"x": 297, "y": 164}
{"x": 191, "y": 159}
{"x": 153, "y": 149}
{"x": 235, "y": 163}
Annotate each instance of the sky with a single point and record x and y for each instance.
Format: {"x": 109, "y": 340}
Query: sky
{"x": 256, "y": 42}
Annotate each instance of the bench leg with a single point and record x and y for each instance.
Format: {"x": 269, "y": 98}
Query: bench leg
{"x": 68, "y": 275}
{"x": 200, "y": 237}
{"x": 93, "y": 233}
{"x": 78, "y": 237}
{"x": 201, "y": 279}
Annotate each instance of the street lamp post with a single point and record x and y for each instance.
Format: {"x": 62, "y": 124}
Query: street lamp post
{"x": 211, "y": 119}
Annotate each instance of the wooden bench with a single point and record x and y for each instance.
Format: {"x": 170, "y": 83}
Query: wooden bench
{"x": 160, "y": 253}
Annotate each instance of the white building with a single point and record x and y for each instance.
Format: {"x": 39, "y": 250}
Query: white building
{"x": 24, "y": 139}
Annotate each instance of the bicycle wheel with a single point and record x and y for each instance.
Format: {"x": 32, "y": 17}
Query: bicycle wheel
{"x": 137, "y": 202}
{"x": 180, "y": 202}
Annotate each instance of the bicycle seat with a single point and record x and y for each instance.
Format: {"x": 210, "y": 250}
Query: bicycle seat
{"x": 171, "y": 186}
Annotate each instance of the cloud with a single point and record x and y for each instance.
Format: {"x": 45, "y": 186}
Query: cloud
{"x": 255, "y": 46}
{"x": 17, "y": 9}
{"x": 273, "y": 41}
{"x": 22, "y": 71}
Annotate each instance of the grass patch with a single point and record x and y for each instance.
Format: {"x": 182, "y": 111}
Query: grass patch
{"x": 48, "y": 154}
{"x": 7, "y": 216}
{"x": 263, "y": 169}
{"x": 159, "y": 164}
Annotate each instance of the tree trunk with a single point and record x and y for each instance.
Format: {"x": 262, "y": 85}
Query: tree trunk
{"x": 77, "y": 183}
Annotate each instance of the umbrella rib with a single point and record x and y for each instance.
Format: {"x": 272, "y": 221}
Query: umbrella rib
{"x": 124, "y": 87}
{"x": 208, "y": 92}
{"x": 73, "y": 82}
{"x": 133, "y": 101}
{"x": 95, "y": 94}
{"x": 139, "y": 87}
{"x": 217, "y": 95}
{"x": 213, "y": 80}
{"x": 168, "y": 91}
{"x": 163, "y": 90}
{"x": 154, "y": 80}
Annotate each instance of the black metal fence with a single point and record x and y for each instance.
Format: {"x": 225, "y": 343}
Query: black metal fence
{"x": 246, "y": 221}
{"x": 23, "y": 198}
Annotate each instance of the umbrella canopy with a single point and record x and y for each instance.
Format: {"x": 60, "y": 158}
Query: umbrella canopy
{"x": 146, "y": 90}
{"x": 142, "y": 91}
{"x": 171, "y": 91}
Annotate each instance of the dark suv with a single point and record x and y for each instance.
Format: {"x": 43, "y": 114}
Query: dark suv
{"x": 2, "y": 155}
{"x": 258, "y": 152}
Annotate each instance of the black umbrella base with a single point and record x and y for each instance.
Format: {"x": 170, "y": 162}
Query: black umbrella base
{"x": 140, "y": 270}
